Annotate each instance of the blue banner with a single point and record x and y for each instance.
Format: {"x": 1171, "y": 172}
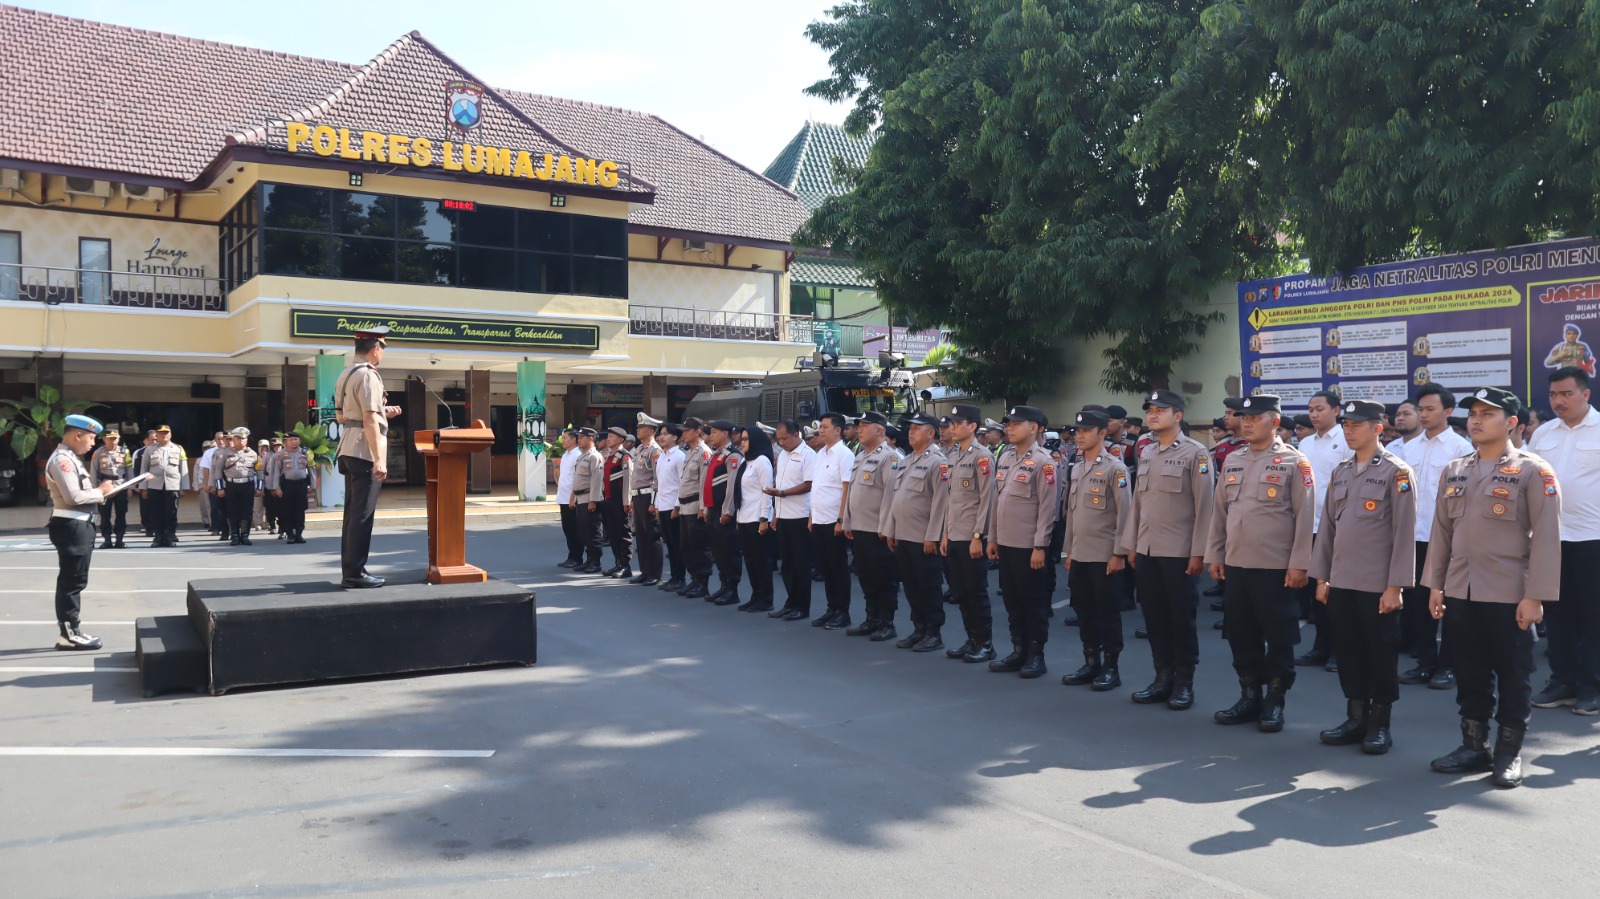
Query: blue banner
{"x": 1494, "y": 318}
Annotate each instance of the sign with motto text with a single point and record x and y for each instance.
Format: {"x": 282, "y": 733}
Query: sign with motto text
{"x": 478, "y": 332}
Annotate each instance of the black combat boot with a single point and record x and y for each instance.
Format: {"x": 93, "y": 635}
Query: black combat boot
{"x": 911, "y": 639}
{"x": 1272, "y": 708}
{"x": 1378, "y": 739}
{"x": 1182, "y": 697}
{"x": 1248, "y": 708}
{"x": 1354, "y": 729}
{"x": 1508, "y": 758}
{"x": 961, "y": 650}
{"x": 1086, "y": 674}
{"x": 1158, "y": 691}
{"x": 1033, "y": 665}
{"x": 695, "y": 590}
{"x": 1108, "y": 678}
{"x": 1471, "y": 755}
{"x": 1013, "y": 662}
{"x": 982, "y": 651}
{"x": 865, "y": 628}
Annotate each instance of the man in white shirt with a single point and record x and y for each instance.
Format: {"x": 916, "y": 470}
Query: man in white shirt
{"x": 1428, "y": 454}
{"x": 203, "y": 478}
{"x": 797, "y": 466}
{"x": 1324, "y": 448}
{"x": 831, "y": 470}
{"x": 1570, "y": 443}
{"x": 569, "y": 516}
{"x": 669, "y": 479}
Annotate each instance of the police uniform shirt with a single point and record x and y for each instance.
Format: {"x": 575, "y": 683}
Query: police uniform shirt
{"x": 642, "y": 476}
{"x": 1024, "y": 510}
{"x": 589, "y": 476}
{"x": 1262, "y": 515}
{"x": 1496, "y": 530}
{"x": 1170, "y": 512}
{"x": 618, "y": 471}
{"x": 241, "y": 464}
{"x": 914, "y": 511}
{"x": 359, "y": 390}
{"x": 71, "y": 489}
{"x": 695, "y": 460}
{"x": 863, "y": 507}
{"x": 287, "y": 465}
{"x": 109, "y": 464}
{"x": 167, "y": 464}
{"x": 1096, "y": 508}
{"x": 1368, "y": 519}
{"x": 970, "y": 485}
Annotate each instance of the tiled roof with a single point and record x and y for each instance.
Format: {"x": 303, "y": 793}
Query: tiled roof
{"x": 805, "y": 166}
{"x": 828, "y": 271}
{"x": 158, "y": 106}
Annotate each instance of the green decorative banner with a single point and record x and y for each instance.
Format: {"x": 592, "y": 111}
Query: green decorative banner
{"x": 327, "y": 371}
{"x": 416, "y": 329}
{"x": 531, "y": 450}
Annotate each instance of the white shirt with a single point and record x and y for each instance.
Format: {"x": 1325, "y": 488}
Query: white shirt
{"x": 205, "y": 460}
{"x": 569, "y": 461}
{"x": 754, "y": 505}
{"x": 1324, "y": 452}
{"x": 669, "y": 475}
{"x": 795, "y": 469}
{"x": 1427, "y": 457}
{"x": 1574, "y": 454}
{"x": 830, "y": 473}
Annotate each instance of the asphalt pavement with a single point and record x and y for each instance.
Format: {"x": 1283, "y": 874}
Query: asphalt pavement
{"x": 666, "y": 747}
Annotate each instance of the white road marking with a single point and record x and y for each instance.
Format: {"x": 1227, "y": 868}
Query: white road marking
{"x": 84, "y": 623}
{"x": 190, "y": 751}
{"x": 92, "y": 592}
{"x": 60, "y": 669}
{"x": 97, "y": 569}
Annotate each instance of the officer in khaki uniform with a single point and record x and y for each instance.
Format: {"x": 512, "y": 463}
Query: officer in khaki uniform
{"x": 966, "y": 522}
{"x": 861, "y": 521}
{"x": 1094, "y": 513}
{"x": 641, "y": 497}
{"x": 1169, "y": 524}
{"x": 693, "y": 532}
{"x": 1021, "y": 517}
{"x": 913, "y": 524}
{"x": 239, "y": 479}
{"x": 1261, "y": 528}
{"x": 112, "y": 463}
{"x": 588, "y": 488}
{"x": 167, "y": 464}
{"x": 290, "y": 478}
{"x": 1494, "y": 558}
{"x": 1364, "y": 555}
{"x": 363, "y": 453}
{"x": 614, "y": 503}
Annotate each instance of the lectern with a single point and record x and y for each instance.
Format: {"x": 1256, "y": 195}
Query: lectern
{"x": 446, "y": 453}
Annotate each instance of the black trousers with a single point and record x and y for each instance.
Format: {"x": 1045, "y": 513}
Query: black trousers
{"x": 670, "y": 537}
{"x": 874, "y": 569}
{"x": 828, "y": 549}
{"x": 646, "y": 536}
{"x": 1429, "y": 638}
{"x": 757, "y": 563}
{"x": 969, "y": 587}
{"x": 1023, "y": 588}
{"x": 1169, "y": 599}
{"x": 360, "y": 506}
{"x": 1573, "y": 624}
{"x": 114, "y": 508}
{"x": 269, "y": 509}
{"x": 1491, "y": 652}
{"x": 569, "y": 530}
{"x": 694, "y": 542}
{"x": 589, "y": 531}
{"x": 619, "y": 531}
{"x": 292, "y": 505}
{"x": 74, "y": 542}
{"x": 922, "y": 576}
{"x": 726, "y": 549}
{"x": 1052, "y": 558}
{"x": 164, "y": 514}
{"x": 1262, "y": 627}
{"x": 145, "y": 514}
{"x": 219, "y": 513}
{"x": 1097, "y": 598}
{"x": 241, "y": 500}
{"x": 1369, "y": 645}
{"x": 794, "y": 548}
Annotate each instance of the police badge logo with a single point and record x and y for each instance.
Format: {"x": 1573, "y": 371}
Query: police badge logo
{"x": 464, "y": 102}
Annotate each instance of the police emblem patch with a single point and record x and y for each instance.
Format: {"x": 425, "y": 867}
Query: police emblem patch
{"x": 1233, "y": 479}
{"x": 1204, "y": 468}
{"x": 1050, "y": 475}
{"x": 1305, "y": 472}
{"x": 966, "y": 483}
{"x": 1402, "y": 481}
{"x": 1502, "y": 492}
{"x": 1094, "y": 500}
{"x": 1094, "y": 489}
{"x": 1511, "y": 469}
{"x": 464, "y": 105}
{"x": 944, "y": 472}
{"x": 1272, "y": 493}
{"x": 1372, "y": 505}
{"x": 1122, "y": 480}
{"x": 1499, "y": 508}
{"x": 1549, "y": 478}
{"x": 983, "y": 466}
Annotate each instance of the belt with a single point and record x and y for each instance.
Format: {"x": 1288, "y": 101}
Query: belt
{"x": 241, "y": 480}
{"x": 641, "y": 491}
{"x": 580, "y": 493}
{"x": 297, "y": 480}
{"x": 72, "y": 513}
{"x": 691, "y": 498}
{"x": 383, "y": 431}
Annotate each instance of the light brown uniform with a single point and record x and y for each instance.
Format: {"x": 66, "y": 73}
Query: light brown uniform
{"x": 1097, "y": 507}
{"x": 1170, "y": 513}
{"x": 359, "y": 390}
{"x": 1367, "y": 542}
{"x": 1496, "y": 531}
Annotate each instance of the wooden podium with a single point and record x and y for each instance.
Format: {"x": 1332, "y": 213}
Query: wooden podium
{"x": 446, "y": 453}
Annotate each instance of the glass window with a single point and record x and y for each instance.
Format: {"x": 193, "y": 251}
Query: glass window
{"x": 300, "y": 208}
{"x": 10, "y": 265}
{"x": 488, "y": 226}
{"x": 544, "y": 273}
{"x": 593, "y": 236}
{"x": 488, "y": 269}
{"x": 547, "y": 231}
{"x": 364, "y": 259}
{"x": 94, "y": 279}
{"x": 427, "y": 263}
{"x": 304, "y": 255}
{"x": 365, "y": 214}
{"x": 425, "y": 220}
{"x": 600, "y": 277}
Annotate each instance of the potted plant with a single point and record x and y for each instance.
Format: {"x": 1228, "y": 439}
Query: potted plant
{"x": 36, "y": 422}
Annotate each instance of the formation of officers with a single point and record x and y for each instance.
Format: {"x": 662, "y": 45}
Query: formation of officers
{"x": 941, "y": 507}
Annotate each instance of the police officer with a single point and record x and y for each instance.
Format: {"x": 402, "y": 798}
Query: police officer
{"x": 588, "y": 487}
{"x": 291, "y": 478}
{"x": 75, "y": 498}
{"x": 266, "y": 504}
{"x": 112, "y": 463}
{"x": 1095, "y": 512}
{"x": 693, "y": 531}
{"x": 614, "y": 503}
{"x": 144, "y": 495}
{"x": 1363, "y": 556}
{"x": 965, "y": 526}
{"x": 240, "y": 482}
{"x": 1169, "y": 523}
{"x": 861, "y": 522}
{"x": 722, "y": 530}
{"x": 213, "y": 486}
{"x": 1494, "y": 558}
{"x": 913, "y": 526}
{"x": 167, "y": 465}
{"x": 363, "y": 452}
{"x": 641, "y": 502}
{"x": 1021, "y": 518}
{"x": 1261, "y": 546}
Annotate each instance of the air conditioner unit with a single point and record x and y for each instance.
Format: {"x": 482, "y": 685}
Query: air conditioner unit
{"x": 696, "y": 246}
{"x": 10, "y": 179}
{"x": 88, "y": 187}
{"x": 144, "y": 192}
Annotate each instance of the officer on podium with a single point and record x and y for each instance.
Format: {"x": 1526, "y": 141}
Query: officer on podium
{"x": 363, "y": 452}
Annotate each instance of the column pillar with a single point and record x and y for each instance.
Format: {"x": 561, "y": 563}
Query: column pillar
{"x": 296, "y": 384}
{"x": 655, "y": 396}
{"x": 52, "y": 372}
{"x": 575, "y": 404}
{"x": 480, "y": 472}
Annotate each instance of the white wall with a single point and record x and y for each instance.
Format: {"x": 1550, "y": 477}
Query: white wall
{"x": 50, "y": 238}
{"x": 700, "y": 287}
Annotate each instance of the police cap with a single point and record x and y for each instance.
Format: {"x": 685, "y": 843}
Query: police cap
{"x": 587, "y": 432}
{"x": 620, "y": 432}
{"x": 968, "y": 413}
{"x": 1027, "y": 413}
{"x": 1493, "y": 396}
{"x": 874, "y": 418}
{"x": 1233, "y": 402}
{"x": 1116, "y": 412}
{"x": 1092, "y": 418}
{"x": 721, "y": 424}
{"x": 1166, "y": 399}
{"x": 1361, "y": 410}
{"x": 921, "y": 418}
{"x": 1260, "y": 404}
{"x": 84, "y": 423}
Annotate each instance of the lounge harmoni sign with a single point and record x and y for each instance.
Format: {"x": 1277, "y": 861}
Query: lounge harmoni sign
{"x": 447, "y": 330}
{"x": 303, "y": 138}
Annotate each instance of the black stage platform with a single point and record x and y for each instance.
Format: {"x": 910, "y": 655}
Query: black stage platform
{"x": 265, "y": 630}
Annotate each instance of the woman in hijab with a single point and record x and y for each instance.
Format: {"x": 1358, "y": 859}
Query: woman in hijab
{"x": 753, "y": 511}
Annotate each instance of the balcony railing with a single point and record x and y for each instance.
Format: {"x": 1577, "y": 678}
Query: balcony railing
{"x": 708, "y": 324}
{"x": 92, "y": 287}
